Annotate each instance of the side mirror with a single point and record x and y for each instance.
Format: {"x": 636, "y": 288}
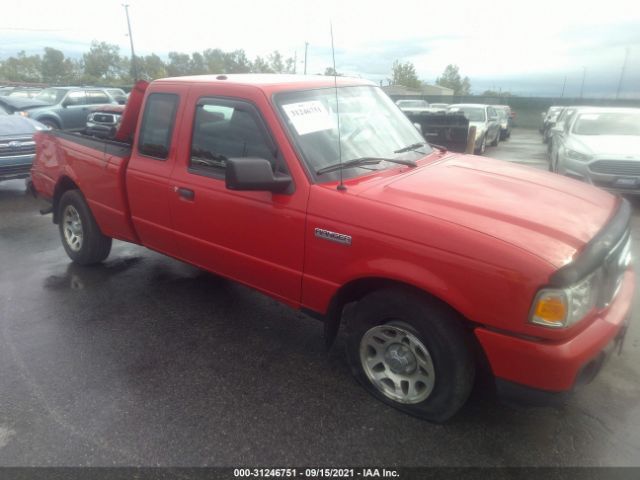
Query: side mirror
{"x": 254, "y": 174}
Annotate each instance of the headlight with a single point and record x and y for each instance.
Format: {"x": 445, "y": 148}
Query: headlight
{"x": 577, "y": 155}
{"x": 562, "y": 307}
{"x": 22, "y": 114}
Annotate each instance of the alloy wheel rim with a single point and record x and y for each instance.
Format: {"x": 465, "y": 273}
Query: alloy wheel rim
{"x": 397, "y": 363}
{"x": 72, "y": 228}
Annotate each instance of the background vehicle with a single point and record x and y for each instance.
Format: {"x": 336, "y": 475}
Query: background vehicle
{"x": 20, "y": 92}
{"x": 103, "y": 121}
{"x": 505, "y": 123}
{"x": 118, "y": 95}
{"x": 17, "y": 148}
{"x": 64, "y": 108}
{"x": 413, "y": 106}
{"x": 601, "y": 146}
{"x": 439, "y": 107}
{"x": 248, "y": 176}
{"x": 557, "y": 131}
{"x": 485, "y": 119}
{"x": 548, "y": 121}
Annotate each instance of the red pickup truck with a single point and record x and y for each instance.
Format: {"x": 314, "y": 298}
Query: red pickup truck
{"x": 325, "y": 196}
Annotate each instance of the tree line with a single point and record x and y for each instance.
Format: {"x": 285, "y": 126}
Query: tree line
{"x": 103, "y": 64}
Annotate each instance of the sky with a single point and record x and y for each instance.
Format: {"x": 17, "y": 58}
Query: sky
{"x": 529, "y": 48}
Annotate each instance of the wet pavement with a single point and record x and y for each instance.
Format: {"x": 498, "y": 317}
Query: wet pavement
{"x": 147, "y": 361}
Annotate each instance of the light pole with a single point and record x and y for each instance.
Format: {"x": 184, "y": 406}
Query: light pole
{"x": 584, "y": 74}
{"x": 624, "y": 67}
{"x": 134, "y": 68}
{"x": 564, "y": 84}
{"x": 306, "y": 46}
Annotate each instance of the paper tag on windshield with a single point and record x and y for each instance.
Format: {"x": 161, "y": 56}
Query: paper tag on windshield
{"x": 308, "y": 117}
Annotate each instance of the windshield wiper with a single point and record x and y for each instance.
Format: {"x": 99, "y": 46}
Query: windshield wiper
{"x": 357, "y": 162}
{"x": 410, "y": 148}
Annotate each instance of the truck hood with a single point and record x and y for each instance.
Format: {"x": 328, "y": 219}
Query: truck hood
{"x": 550, "y": 216}
{"x": 607, "y": 144}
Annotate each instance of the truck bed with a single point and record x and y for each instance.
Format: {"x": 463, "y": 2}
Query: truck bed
{"x": 97, "y": 166}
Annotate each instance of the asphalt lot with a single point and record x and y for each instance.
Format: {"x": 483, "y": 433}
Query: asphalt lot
{"x": 147, "y": 361}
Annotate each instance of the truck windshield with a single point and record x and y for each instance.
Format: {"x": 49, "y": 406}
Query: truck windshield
{"x": 51, "y": 95}
{"x": 370, "y": 126}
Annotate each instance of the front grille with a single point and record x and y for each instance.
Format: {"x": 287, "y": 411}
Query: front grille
{"x": 108, "y": 118}
{"x": 14, "y": 169}
{"x": 10, "y": 148}
{"x": 616, "y": 167}
{"x": 615, "y": 264}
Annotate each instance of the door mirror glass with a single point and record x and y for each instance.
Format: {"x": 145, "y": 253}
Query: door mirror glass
{"x": 250, "y": 173}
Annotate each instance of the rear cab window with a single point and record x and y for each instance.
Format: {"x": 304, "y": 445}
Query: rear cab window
{"x": 158, "y": 121}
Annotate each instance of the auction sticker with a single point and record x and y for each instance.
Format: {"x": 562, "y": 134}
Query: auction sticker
{"x": 308, "y": 117}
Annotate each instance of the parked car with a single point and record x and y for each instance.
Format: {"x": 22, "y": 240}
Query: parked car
{"x": 601, "y": 146}
{"x": 485, "y": 119}
{"x": 118, "y": 95}
{"x": 505, "y": 123}
{"x": 439, "y": 107}
{"x": 441, "y": 258}
{"x": 548, "y": 121}
{"x": 557, "y": 130}
{"x": 17, "y": 148}
{"x": 64, "y": 108}
{"x": 103, "y": 121}
{"x": 20, "y": 92}
{"x": 413, "y": 106}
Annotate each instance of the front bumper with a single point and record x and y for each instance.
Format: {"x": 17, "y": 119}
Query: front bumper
{"x": 559, "y": 366}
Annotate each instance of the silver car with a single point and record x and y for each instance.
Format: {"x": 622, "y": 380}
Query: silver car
{"x": 601, "y": 146}
{"x": 485, "y": 119}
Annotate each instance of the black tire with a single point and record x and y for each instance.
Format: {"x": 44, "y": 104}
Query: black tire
{"x": 441, "y": 331}
{"x": 50, "y": 123}
{"x": 496, "y": 140}
{"x": 93, "y": 246}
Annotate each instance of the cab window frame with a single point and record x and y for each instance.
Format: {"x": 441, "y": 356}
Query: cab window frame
{"x": 266, "y": 134}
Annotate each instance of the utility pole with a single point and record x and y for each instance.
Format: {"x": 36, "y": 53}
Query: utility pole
{"x": 134, "y": 68}
{"x": 584, "y": 74}
{"x": 306, "y": 46}
{"x": 564, "y": 84}
{"x": 624, "y": 68}
{"x": 295, "y": 62}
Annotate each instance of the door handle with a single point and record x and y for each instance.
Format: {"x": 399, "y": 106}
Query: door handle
{"x": 185, "y": 193}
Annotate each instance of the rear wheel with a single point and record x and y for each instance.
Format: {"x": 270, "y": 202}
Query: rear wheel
{"x": 81, "y": 237}
{"x": 411, "y": 352}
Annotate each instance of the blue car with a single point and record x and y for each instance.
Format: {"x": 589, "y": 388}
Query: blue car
{"x": 64, "y": 108}
{"x": 17, "y": 148}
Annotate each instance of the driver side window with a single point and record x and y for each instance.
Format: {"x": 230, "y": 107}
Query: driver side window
{"x": 225, "y": 129}
{"x": 75, "y": 98}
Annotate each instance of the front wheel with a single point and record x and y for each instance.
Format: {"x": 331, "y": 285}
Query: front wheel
{"x": 81, "y": 237}
{"x": 496, "y": 140}
{"x": 411, "y": 352}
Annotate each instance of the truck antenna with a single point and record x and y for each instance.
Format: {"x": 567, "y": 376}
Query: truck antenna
{"x": 335, "y": 84}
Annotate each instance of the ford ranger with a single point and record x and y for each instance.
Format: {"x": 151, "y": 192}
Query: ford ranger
{"x": 325, "y": 197}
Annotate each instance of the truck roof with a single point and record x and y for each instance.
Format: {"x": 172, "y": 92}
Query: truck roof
{"x": 270, "y": 81}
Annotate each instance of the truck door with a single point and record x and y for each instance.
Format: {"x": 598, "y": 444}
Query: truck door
{"x": 149, "y": 169}
{"x": 254, "y": 237}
